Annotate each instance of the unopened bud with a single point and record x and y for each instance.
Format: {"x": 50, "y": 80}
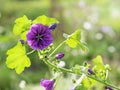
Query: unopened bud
{"x": 22, "y": 41}
{"x": 52, "y": 27}
{"x": 108, "y": 88}
{"x": 90, "y": 71}
{"x": 59, "y": 55}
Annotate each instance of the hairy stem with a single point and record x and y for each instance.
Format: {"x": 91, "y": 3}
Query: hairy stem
{"x": 70, "y": 71}
{"x": 30, "y": 52}
{"x": 57, "y": 48}
{"x": 79, "y": 81}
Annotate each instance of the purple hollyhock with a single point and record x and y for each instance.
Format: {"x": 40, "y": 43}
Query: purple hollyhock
{"x": 39, "y": 36}
{"x": 59, "y": 55}
{"x": 48, "y": 84}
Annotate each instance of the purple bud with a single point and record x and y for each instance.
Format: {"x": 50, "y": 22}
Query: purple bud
{"x": 22, "y": 41}
{"x": 47, "y": 84}
{"x": 108, "y": 88}
{"x": 90, "y": 71}
{"x": 52, "y": 27}
{"x": 59, "y": 55}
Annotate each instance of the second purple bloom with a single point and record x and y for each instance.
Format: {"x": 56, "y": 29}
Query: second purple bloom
{"x": 48, "y": 84}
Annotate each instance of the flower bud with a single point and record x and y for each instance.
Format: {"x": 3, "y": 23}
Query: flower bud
{"x": 108, "y": 88}
{"x": 90, "y": 71}
{"x": 22, "y": 41}
{"x": 52, "y": 27}
{"x": 59, "y": 55}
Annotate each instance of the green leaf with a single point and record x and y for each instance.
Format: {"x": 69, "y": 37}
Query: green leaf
{"x": 80, "y": 87}
{"x": 23, "y": 35}
{"x": 17, "y": 58}
{"x": 45, "y": 20}
{"x": 98, "y": 63}
{"x": 76, "y": 69}
{"x": 88, "y": 82}
{"x": 74, "y": 40}
{"x": 22, "y": 24}
{"x": 107, "y": 67}
{"x": 100, "y": 71}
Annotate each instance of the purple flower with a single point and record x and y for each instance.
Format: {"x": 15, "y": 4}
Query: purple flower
{"x": 48, "y": 84}
{"x": 39, "y": 36}
{"x": 53, "y": 26}
{"x": 59, "y": 55}
{"x": 90, "y": 71}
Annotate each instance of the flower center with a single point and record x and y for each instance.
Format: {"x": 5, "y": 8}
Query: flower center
{"x": 39, "y": 37}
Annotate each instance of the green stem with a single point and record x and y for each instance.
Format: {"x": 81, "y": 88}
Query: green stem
{"x": 30, "y": 52}
{"x": 59, "y": 68}
{"x": 79, "y": 81}
{"x": 57, "y": 48}
{"x": 103, "y": 82}
{"x": 70, "y": 71}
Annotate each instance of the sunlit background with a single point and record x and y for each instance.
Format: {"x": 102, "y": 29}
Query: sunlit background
{"x": 99, "y": 21}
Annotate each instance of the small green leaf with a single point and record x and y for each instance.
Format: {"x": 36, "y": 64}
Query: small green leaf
{"x": 45, "y": 20}
{"x": 80, "y": 87}
{"x": 88, "y": 82}
{"x": 23, "y": 35}
{"x": 74, "y": 40}
{"x": 76, "y": 69}
{"x": 17, "y": 58}
{"x": 72, "y": 43}
{"x": 98, "y": 63}
{"x": 99, "y": 68}
{"x": 22, "y": 24}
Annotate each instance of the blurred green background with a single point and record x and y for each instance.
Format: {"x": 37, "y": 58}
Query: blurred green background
{"x": 100, "y": 24}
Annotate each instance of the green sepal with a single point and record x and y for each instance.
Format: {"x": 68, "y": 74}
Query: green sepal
{"x": 17, "y": 58}
{"x": 45, "y": 20}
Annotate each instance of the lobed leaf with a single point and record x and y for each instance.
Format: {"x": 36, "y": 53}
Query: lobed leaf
{"x": 98, "y": 62}
{"x": 17, "y": 58}
{"x": 88, "y": 82}
{"x": 74, "y": 40}
{"x": 45, "y": 20}
{"x": 22, "y": 24}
